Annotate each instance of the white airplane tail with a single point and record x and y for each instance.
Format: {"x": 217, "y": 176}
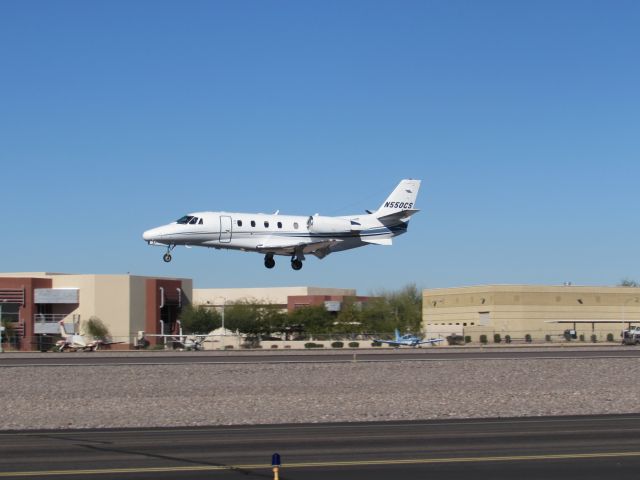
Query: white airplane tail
{"x": 399, "y": 205}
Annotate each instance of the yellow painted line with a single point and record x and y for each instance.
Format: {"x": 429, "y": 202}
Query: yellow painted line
{"x": 349, "y": 463}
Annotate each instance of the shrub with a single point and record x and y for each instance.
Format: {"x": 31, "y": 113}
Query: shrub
{"x": 467, "y": 339}
{"x": 609, "y": 337}
{"x": 274, "y": 346}
{"x": 594, "y": 338}
{"x": 313, "y": 345}
{"x": 483, "y": 338}
{"x": 337, "y": 345}
{"x": 354, "y": 344}
{"x": 527, "y": 338}
{"x": 228, "y": 347}
{"x": 581, "y": 337}
{"x": 547, "y": 338}
{"x": 497, "y": 338}
{"x": 376, "y": 344}
{"x": 507, "y": 338}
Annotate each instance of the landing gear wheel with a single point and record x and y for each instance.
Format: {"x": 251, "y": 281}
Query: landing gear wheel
{"x": 296, "y": 264}
{"x": 167, "y": 257}
{"x": 269, "y": 262}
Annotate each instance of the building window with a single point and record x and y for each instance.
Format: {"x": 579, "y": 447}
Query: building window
{"x": 9, "y": 312}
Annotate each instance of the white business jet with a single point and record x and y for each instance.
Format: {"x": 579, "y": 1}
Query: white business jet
{"x": 289, "y": 235}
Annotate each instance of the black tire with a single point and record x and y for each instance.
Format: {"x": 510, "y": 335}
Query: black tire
{"x": 167, "y": 257}
{"x": 296, "y": 264}
{"x": 269, "y": 262}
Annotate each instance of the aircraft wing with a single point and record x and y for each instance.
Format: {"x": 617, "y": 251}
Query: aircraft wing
{"x": 390, "y": 342}
{"x": 431, "y": 341}
{"x": 283, "y": 246}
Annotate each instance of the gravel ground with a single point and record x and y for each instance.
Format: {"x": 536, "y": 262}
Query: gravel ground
{"x": 183, "y": 395}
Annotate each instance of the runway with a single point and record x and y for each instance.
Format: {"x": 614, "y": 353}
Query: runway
{"x": 593, "y": 447}
{"x": 332, "y": 356}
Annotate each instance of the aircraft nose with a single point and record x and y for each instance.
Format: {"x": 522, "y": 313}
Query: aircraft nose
{"x": 150, "y": 235}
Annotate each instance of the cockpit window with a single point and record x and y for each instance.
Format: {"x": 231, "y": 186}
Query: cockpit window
{"x": 184, "y": 220}
{"x": 189, "y": 219}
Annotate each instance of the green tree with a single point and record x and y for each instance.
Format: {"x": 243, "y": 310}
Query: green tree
{"x": 96, "y": 328}
{"x": 627, "y": 282}
{"x": 349, "y": 320}
{"x": 244, "y": 316}
{"x": 199, "y": 319}
{"x": 387, "y": 311}
{"x": 314, "y": 319}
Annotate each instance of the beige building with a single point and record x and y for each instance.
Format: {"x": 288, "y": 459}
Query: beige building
{"x": 35, "y": 303}
{"x": 521, "y": 310}
{"x": 281, "y": 296}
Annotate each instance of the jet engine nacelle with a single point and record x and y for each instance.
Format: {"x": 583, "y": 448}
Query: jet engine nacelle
{"x": 320, "y": 224}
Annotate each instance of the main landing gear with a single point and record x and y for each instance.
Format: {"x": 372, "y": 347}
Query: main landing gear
{"x": 269, "y": 262}
{"x": 167, "y": 256}
{"x": 296, "y": 261}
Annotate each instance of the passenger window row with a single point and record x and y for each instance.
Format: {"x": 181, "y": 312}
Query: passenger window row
{"x": 266, "y": 224}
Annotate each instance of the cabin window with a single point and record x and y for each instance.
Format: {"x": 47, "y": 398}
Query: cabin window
{"x": 253, "y": 223}
{"x": 279, "y": 224}
{"x": 266, "y": 224}
{"x": 193, "y": 221}
{"x": 200, "y": 222}
{"x": 239, "y": 223}
{"x": 295, "y": 225}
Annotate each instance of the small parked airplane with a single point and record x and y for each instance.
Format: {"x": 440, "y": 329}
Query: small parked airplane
{"x": 75, "y": 341}
{"x": 409, "y": 340}
{"x": 289, "y": 235}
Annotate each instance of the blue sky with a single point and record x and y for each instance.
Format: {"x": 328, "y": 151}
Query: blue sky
{"x": 521, "y": 118}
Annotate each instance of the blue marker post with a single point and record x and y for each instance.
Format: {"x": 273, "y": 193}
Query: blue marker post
{"x": 275, "y": 463}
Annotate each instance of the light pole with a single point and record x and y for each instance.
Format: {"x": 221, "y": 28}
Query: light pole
{"x": 224, "y": 304}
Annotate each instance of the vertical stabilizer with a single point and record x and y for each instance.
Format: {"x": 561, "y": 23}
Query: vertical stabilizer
{"x": 403, "y": 198}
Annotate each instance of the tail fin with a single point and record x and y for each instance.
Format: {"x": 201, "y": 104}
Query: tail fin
{"x": 402, "y": 198}
{"x": 400, "y": 203}
{"x": 397, "y": 335}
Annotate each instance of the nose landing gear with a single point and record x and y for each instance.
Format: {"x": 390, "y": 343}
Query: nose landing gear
{"x": 167, "y": 256}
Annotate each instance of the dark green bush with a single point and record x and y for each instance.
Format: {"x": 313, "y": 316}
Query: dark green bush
{"x": 547, "y": 338}
{"x": 609, "y": 337}
{"x": 337, "y": 345}
{"x": 376, "y": 344}
{"x": 594, "y": 338}
{"x": 507, "y": 338}
{"x": 497, "y": 338}
{"x": 527, "y": 338}
{"x": 483, "y": 338}
{"x": 467, "y": 339}
{"x": 354, "y": 344}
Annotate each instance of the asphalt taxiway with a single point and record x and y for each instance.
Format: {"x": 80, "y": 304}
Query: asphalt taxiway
{"x": 331, "y": 356}
{"x": 593, "y": 447}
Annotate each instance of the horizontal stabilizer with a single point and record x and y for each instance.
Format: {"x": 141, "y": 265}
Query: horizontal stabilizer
{"x": 398, "y": 216}
{"x": 377, "y": 241}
